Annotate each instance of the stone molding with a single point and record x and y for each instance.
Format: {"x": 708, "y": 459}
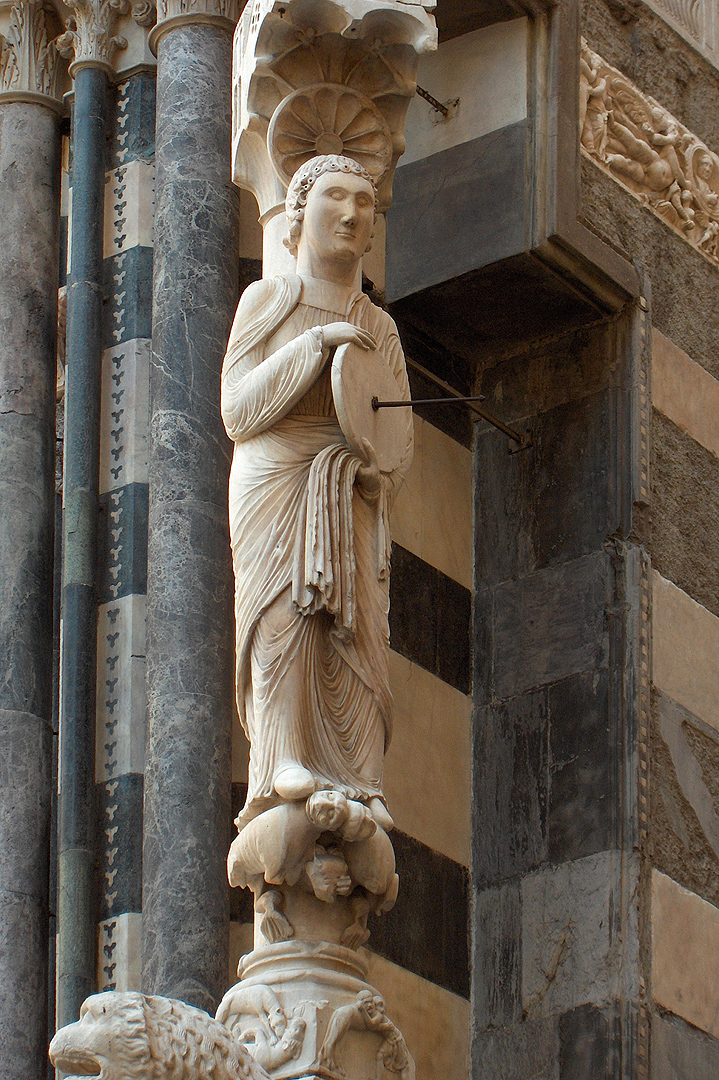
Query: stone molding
{"x": 172, "y": 13}
{"x": 28, "y": 59}
{"x": 646, "y": 150}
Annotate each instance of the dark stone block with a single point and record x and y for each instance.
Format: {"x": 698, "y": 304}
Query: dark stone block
{"x": 681, "y": 1052}
{"x": 430, "y": 619}
{"x": 511, "y": 788}
{"x": 551, "y": 624}
{"x": 667, "y": 259}
{"x": 582, "y": 799}
{"x": 584, "y": 1044}
{"x": 134, "y": 120}
{"x": 497, "y": 956}
{"x": 482, "y": 631}
{"x": 524, "y": 1051}
{"x": 62, "y": 258}
{"x": 685, "y": 512}
{"x": 241, "y": 900}
{"x": 128, "y": 296}
{"x": 123, "y": 557}
{"x": 471, "y": 203}
{"x": 552, "y": 503}
{"x": 250, "y": 270}
{"x": 121, "y": 845}
{"x": 456, "y": 17}
{"x": 427, "y": 931}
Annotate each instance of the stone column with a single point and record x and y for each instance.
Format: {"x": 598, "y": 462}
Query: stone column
{"x": 90, "y": 47}
{"x": 29, "y": 228}
{"x": 190, "y": 635}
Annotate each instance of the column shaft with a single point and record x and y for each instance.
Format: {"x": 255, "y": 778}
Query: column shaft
{"x": 29, "y": 227}
{"x": 190, "y": 638}
{"x": 77, "y": 918}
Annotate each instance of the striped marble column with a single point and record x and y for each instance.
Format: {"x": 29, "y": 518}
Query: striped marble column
{"x": 29, "y": 230}
{"x": 189, "y": 597}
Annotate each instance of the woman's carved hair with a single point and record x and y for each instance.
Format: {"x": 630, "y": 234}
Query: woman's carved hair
{"x": 301, "y": 185}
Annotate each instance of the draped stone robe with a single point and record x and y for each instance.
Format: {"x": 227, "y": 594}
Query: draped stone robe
{"x": 311, "y": 555}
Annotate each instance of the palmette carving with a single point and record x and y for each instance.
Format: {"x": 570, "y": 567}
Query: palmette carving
{"x": 643, "y": 147}
{"x": 28, "y": 59}
{"x": 335, "y": 77}
{"x": 129, "y": 1036}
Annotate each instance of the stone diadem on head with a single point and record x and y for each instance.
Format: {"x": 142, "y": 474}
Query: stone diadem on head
{"x": 301, "y": 185}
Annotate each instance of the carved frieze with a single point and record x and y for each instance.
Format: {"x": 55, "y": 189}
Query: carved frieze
{"x": 89, "y": 39}
{"x": 330, "y": 78}
{"x": 28, "y": 58}
{"x": 650, "y": 153}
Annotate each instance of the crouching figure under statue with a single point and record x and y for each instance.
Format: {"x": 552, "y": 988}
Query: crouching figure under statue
{"x": 314, "y": 474}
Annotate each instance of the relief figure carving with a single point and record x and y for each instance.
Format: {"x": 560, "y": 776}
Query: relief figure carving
{"x": 646, "y": 149}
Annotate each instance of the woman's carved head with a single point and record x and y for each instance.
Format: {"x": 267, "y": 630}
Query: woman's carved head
{"x": 302, "y": 183}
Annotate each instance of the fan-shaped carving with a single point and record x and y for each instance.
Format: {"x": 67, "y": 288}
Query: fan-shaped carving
{"x": 328, "y": 119}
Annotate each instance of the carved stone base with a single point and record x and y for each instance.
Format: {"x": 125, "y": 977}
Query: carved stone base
{"x": 305, "y": 1012}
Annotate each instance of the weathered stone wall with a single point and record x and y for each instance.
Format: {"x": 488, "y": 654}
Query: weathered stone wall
{"x": 680, "y": 890}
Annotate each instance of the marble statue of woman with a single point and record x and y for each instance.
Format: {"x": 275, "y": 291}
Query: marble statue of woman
{"x": 308, "y": 517}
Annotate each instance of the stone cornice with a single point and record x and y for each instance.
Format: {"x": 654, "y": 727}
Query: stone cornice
{"x": 172, "y": 13}
{"x": 28, "y": 59}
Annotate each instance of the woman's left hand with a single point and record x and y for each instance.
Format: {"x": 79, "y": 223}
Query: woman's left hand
{"x": 369, "y": 479}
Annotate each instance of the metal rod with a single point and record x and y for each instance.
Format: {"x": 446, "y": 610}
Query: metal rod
{"x": 377, "y": 404}
{"x": 522, "y": 440}
{"x": 432, "y": 101}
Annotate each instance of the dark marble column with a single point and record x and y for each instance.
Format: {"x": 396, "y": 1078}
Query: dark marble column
{"x": 29, "y": 228}
{"x": 190, "y": 635}
{"x": 77, "y": 914}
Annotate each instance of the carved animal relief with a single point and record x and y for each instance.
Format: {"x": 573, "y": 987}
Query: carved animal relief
{"x": 653, "y": 156}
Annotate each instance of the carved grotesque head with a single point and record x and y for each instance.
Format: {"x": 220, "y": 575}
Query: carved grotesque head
{"x": 345, "y": 171}
{"x": 328, "y": 810}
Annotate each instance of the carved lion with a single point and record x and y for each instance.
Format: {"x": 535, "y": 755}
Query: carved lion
{"x": 126, "y": 1036}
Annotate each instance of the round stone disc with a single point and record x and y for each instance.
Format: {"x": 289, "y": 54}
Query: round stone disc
{"x": 357, "y": 377}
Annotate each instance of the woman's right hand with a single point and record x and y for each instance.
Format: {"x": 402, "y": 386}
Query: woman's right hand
{"x": 344, "y": 333}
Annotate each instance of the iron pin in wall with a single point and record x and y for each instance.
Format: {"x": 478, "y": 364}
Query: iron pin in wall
{"x": 522, "y": 442}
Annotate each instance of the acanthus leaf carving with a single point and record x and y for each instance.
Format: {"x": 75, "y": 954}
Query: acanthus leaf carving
{"x": 28, "y": 59}
{"x": 638, "y": 142}
{"x": 89, "y": 39}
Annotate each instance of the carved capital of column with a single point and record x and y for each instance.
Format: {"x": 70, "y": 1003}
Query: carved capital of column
{"x": 28, "y": 60}
{"x": 89, "y": 40}
{"x": 335, "y": 77}
{"x": 172, "y": 13}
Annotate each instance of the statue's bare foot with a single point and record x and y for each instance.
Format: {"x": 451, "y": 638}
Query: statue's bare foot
{"x": 294, "y": 783}
{"x": 274, "y": 926}
{"x": 381, "y": 814}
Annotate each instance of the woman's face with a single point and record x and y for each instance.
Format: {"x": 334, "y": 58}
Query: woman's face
{"x": 339, "y": 217}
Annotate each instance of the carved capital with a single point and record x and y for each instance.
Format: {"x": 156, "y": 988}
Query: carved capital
{"x": 89, "y": 39}
{"x": 171, "y": 13}
{"x": 346, "y": 68}
{"x": 28, "y": 60}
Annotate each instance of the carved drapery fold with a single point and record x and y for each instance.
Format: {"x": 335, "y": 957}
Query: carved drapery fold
{"x": 634, "y": 139}
{"x": 28, "y": 58}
